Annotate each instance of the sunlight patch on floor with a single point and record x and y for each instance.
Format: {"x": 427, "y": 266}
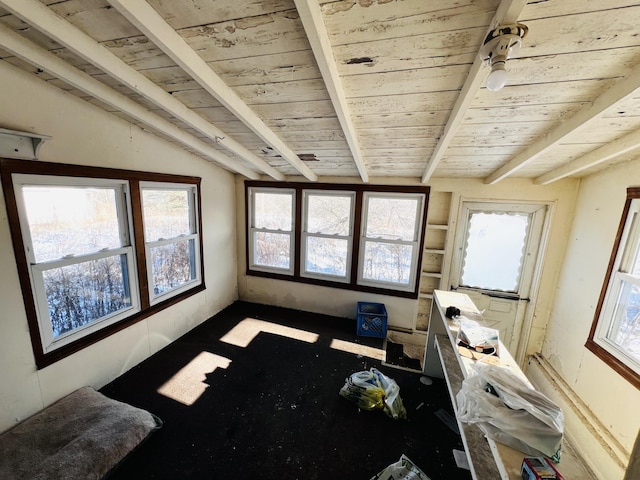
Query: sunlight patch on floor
{"x": 188, "y": 384}
{"x": 244, "y": 332}
{"x": 357, "y": 349}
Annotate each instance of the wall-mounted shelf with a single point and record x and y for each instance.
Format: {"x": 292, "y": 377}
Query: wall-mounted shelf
{"x": 434, "y": 258}
{"x": 432, "y": 274}
{"x": 435, "y": 226}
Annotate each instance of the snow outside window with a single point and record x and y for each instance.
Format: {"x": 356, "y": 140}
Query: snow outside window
{"x": 618, "y": 325}
{"x": 271, "y": 230}
{"x": 171, "y": 238}
{"x": 81, "y": 261}
{"x": 390, "y": 237}
{"x": 327, "y": 235}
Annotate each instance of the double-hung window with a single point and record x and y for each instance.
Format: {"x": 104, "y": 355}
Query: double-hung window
{"x": 271, "y": 229}
{"x": 615, "y": 333}
{"x": 327, "y": 235}
{"x": 171, "y": 238}
{"x": 99, "y": 249}
{"x": 79, "y": 252}
{"x": 390, "y": 236}
{"x": 360, "y": 237}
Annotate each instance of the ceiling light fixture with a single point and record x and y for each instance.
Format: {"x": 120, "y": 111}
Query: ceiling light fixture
{"x": 498, "y": 46}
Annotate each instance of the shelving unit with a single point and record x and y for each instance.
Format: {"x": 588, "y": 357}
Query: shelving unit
{"x": 434, "y": 256}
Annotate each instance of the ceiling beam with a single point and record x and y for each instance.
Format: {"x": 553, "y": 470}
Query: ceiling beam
{"x": 612, "y": 95}
{"x": 41, "y": 17}
{"x": 149, "y": 22}
{"x": 618, "y": 147}
{"x": 41, "y": 58}
{"x": 508, "y": 12}
{"x": 312, "y": 20}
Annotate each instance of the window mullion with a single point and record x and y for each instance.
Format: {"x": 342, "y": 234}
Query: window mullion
{"x": 138, "y": 243}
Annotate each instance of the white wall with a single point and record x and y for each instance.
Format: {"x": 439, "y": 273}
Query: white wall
{"x": 566, "y": 370}
{"x": 83, "y": 134}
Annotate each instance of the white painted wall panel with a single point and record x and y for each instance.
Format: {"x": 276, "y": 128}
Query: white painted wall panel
{"x": 611, "y": 400}
{"x": 84, "y": 134}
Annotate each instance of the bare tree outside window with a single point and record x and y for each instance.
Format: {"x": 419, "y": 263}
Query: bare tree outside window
{"x": 391, "y": 236}
{"x": 271, "y": 229}
{"x": 168, "y": 215}
{"x": 328, "y": 232}
{"x": 72, "y": 230}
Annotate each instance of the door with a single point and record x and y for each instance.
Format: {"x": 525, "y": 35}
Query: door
{"x": 496, "y": 257}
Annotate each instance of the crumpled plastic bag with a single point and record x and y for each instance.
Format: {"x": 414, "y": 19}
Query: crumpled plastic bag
{"x": 508, "y": 411}
{"x": 372, "y": 390}
{"x": 403, "y": 469}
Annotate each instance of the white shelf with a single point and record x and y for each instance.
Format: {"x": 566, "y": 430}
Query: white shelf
{"x": 435, "y": 226}
{"x": 432, "y": 274}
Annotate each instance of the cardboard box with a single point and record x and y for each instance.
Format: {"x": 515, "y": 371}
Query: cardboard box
{"x": 539, "y": 468}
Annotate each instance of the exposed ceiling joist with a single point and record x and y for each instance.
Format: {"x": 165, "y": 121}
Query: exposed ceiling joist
{"x": 619, "y": 91}
{"x": 314, "y": 26}
{"x": 42, "y": 18}
{"x": 149, "y": 22}
{"x": 41, "y": 58}
{"x": 622, "y": 145}
{"x": 508, "y": 12}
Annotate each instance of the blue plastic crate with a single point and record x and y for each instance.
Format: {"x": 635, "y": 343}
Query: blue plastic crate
{"x": 372, "y": 320}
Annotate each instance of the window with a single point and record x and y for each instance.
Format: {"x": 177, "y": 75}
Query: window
{"x": 79, "y": 254}
{"x": 615, "y": 333}
{"x": 271, "y": 230}
{"x": 359, "y": 237}
{"x": 327, "y": 234}
{"x": 89, "y": 241}
{"x": 390, "y": 236}
{"x": 171, "y": 239}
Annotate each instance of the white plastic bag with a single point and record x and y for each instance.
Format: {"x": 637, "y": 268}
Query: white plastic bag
{"x": 403, "y": 469}
{"x": 510, "y": 412}
{"x": 372, "y": 390}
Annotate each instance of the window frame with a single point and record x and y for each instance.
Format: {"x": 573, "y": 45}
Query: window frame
{"x": 306, "y": 234}
{"x": 37, "y": 269}
{"x": 192, "y": 191}
{"x": 252, "y": 231}
{"x": 627, "y": 236}
{"x": 358, "y": 190}
{"x": 413, "y": 273}
{"x": 140, "y": 282}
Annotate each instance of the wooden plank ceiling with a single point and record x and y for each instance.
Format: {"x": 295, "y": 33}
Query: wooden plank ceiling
{"x": 305, "y": 89}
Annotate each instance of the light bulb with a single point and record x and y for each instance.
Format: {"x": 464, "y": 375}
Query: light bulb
{"x": 497, "y": 78}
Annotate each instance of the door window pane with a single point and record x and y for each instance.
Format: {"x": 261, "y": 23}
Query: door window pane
{"x": 67, "y": 221}
{"x": 494, "y": 250}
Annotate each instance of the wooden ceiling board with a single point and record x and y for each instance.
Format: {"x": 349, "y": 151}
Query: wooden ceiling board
{"x": 362, "y": 21}
{"x": 204, "y": 12}
{"x": 402, "y": 65}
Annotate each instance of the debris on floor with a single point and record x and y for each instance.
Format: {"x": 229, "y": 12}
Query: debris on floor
{"x": 372, "y": 390}
{"x": 461, "y": 459}
{"x": 403, "y": 469}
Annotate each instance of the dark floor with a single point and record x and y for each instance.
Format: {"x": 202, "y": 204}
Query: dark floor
{"x": 271, "y": 409}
